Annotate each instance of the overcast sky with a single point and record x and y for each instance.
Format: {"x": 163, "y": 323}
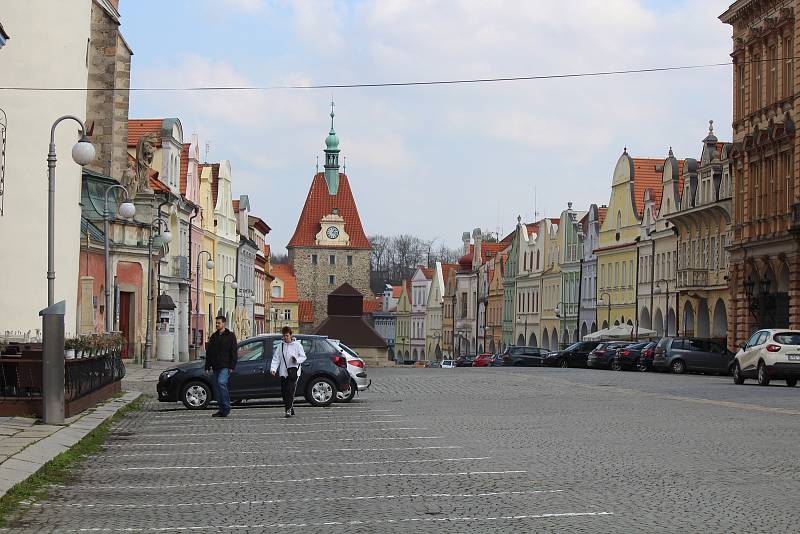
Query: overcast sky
{"x": 433, "y": 161}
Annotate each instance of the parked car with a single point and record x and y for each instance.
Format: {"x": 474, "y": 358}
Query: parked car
{"x": 646, "y": 359}
{"x": 769, "y": 354}
{"x": 434, "y": 364}
{"x": 496, "y": 360}
{"x": 524, "y": 356}
{"x": 464, "y": 361}
{"x": 358, "y": 372}
{"x": 629, "y": 358}
{"x": 573, "y": 356}
{"x": 448, "y": 364}
{"x": 682, "y": 354}
{"x": 322, "y": 375}
{"x": 602, "y": 355}
{"x": 483, "y": 360}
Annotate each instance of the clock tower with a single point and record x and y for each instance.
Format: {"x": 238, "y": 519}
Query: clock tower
{"x": 329, "y": 246}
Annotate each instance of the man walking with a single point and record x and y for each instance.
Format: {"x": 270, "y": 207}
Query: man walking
{"x": 221, "y": 358}
{"x": 286, "y": 360}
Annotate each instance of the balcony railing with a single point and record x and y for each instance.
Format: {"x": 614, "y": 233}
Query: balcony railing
{"x": 692, "y": 278}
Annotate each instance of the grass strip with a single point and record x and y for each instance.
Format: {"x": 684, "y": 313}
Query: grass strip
{"x": 57, "y": 470}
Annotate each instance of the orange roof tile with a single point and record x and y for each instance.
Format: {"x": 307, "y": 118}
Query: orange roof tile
{"x": 396, "y": 290}
{"x": 601, "y": 214}
{"x": 371, "y": 305}
{"x": 284, "y": 272}
{"x": 320, "y": 203}
{"x": 447, "y": 268}
{"x": 184, "y": 172}
{"x": 158, "y": 186}
{"x": 427, "y": 272}
{"x": 306, "y": 311}
{"x": 647, "y": 176}
{"x": 139, "y": 127}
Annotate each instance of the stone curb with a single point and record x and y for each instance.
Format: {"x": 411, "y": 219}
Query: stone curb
{"x": 28, "y": 461}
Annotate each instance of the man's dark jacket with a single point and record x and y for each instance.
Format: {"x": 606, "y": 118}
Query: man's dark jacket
{"x": 221, "y": 350}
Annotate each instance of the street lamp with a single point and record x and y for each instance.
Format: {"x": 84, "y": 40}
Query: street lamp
{"x": 525, "y": 315}
{"x": 127, "y": 210}
{"x": 657, "y": 291}
{"x": 209, "y": 266}
{"x": 165, "y": 238}
{"x": 273, "y": 318}
{"x": 601, "y": 303}
{"x": 234, "y": 285}
{"x": 82, "y": 153}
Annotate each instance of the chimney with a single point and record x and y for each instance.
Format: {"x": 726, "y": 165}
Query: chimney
{"x": 466, "y": 240}
{"x": 476, "y": 259}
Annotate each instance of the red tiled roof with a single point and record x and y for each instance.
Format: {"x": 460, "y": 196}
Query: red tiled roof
{"x": 647, "y": 176}
{"x": 236, "y": 206}
{"x": 447, "y": 268}
{"x": 407, "y": 283}
{"x": 158, "y": 186}
{"x": 306, "y": 311}
{"x": 320, "y": 203}
{"x": 259, "y": 224}
{"x": 139, "y": 127}
{"x": 184, "y": 167}
{"x": 371, "y": 306}
{"x": 555, "y": 220}
{"x": 532, "y": 228}
{"x": 427, "y": 272}
{"x": 284, "y": 272}
{"x": 396, "y": 291}
{"x": 601, "y": 214}
{"x": 267, "y": 250}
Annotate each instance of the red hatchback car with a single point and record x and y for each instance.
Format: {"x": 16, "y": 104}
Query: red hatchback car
{"x": 483, "y": 360}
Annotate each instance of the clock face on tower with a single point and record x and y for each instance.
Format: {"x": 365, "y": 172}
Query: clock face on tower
{"x": 332, "y": 232}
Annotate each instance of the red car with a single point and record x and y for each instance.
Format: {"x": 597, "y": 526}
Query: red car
{"x": 483, "y": 360}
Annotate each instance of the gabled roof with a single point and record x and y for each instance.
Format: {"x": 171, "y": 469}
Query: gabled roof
{"x": 372, "y": 305}
{"x": 447, "y": 268}
{"x": 284, "y": 272}
{"x": 305, "y": 311}
{"x": 646, "y": 175}
{"x": 184, "y": 172}
{"x": 258, "y": 223}
{"x": 353, "y": 331}
{"x": 428, "y": 273}
{"x": 346, "y": 290}
{"x": 214, "y": 178}
{"x": 139, "y": 127}
{"x": 319, "y": 203}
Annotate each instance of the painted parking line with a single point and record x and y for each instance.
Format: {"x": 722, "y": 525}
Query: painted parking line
{"x": 188, "y": 414}
{"x": 298, "y": 451}
{"x": 262, "y": 466}
{"x": 129, "y": 444}
{"x": 294, "y": 500}
{"x": 351, "y": 523}
{"x": 292, "y": 480}
{"x": 236, "y": 420}
{"x": 267, "y": 433}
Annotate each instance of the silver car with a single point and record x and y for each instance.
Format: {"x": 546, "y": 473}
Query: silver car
{"x": 357, "y": 369}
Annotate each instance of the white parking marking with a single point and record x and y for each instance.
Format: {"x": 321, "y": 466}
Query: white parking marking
{"x": 237, "y": 443}
{"x": 350, "y": 523}
{"x": 265, "y": 433}
{"x": 308, "y": 499}
{"x": 356, "y": 422}
{"x": 260, "y": 466}
{"x": 282, "y": 481}
{"x": 189, "y": 414}
{"x": 299, "y": 451}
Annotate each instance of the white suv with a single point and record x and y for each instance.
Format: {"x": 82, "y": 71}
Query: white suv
{"x": 357, "y": 369}
{"x": 769, "y": 354}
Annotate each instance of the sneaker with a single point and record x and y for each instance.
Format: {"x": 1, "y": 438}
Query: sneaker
{"x": 288, "y": 413}
{"x": 219, "y": 414}
{"x": 293, "y": 411}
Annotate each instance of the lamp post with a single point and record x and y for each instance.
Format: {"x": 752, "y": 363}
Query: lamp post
{"x": 657, "y": 291}
{"x": 273, "y": 318}
{"x": 525, "y": 315}
{"x": 166, "y": 238}
{"x": 234, "y": 285}
{"x": 600, "y": 302}
{"x": 127, "y": 210}
{"x": 83, "y": 153}
{"x": 209, "y": 265}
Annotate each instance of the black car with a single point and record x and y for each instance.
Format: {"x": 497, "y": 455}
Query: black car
{"x": 322, "y": 375}
{"x": 524, "y": 356}
{"x": 630, "y": 358}
{"x": 602, "y": 355}
{"x": 573, "y": 356}
{"x": 681, "y": 354}
{"x": 646, "y": 359}
{"x": 464, "y": 361}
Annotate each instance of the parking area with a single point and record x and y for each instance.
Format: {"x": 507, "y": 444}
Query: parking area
{"x": 454, "y": 450}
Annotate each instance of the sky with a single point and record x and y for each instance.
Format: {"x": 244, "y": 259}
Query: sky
{"x": 433, "y": 161}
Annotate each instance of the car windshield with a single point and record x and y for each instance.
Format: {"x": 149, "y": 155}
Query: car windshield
{"x": 787, "y": 338}
{"x": 573, "y": 347}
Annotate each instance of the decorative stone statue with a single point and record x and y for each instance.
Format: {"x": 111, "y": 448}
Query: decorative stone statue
{"x": 241, "y": 324}
{"x": 136, "y": 178}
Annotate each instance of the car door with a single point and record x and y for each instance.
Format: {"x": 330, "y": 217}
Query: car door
{"x": 679, "y": 348}
{"x": 752, "y": 351}
{"x": 696, "y": 354}
{"x": 247, "y": 381}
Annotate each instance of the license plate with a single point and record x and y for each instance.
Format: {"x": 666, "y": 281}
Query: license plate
{"x": 794, "y": 357}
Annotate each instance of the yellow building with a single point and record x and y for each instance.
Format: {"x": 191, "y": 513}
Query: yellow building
{"x": 208, "y": 298}
{"x": 616, "y": 252}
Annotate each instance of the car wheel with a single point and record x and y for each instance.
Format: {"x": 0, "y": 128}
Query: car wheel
{"x": 196, "y": 395}
{"x": 791, "y": 382}
{"x": 678, "y": 367}
{"x": 639, "y": 366}
{"x": 320, "y": 391}
{"x": 738, "y": 378}
{"x": 347, "y": 397}
{"x": 616, "y": 366}
{"x": 564, "y": 364}
{"x": 763, "y": 376}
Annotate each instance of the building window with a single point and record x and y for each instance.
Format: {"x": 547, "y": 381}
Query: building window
{"x": 276, "y": 292}
{"x": 332, "y": 259}
{"x": 314, "y": 259}
{"x": 740, "y": 94}
{"x": 331, "y": 279}
{"x": 788, "y": 67}
{"x": 349, "y": 261}
{"x": 755, "y": 83}
{"x": 772, "y": 74}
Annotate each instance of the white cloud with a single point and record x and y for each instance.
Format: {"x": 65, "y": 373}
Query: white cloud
{"x": 248, "y": 6}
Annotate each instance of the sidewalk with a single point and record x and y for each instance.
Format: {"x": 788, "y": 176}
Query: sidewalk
{"x": 26, "y": 446}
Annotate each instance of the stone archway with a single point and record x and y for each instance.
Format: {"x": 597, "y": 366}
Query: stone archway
{"x": 564, "y": 338}
{"x": 644, "y": 319}
{"x": 629, "y": 323}
{"x": 671, "y": 327}
{"x": 480, "y": 348}
{"x": 605, "y": 325}
{"x": 521, "y": 341}
{"x": 702, "y": 319}
{"x": 584, "y": 330}
{"x": 782, "y": 282}
{"x": 576, "y": 335}
{"x": 415, "y": 355}
{"x": 532, "y": 340}
{"x": 658, "y": 323}
{"x": 554, "y": 340}
{"x": 616, "y": 323}
{"x": 594, "y": 327}
{"x": 688, "y": 319}
{"x": 720, "y": 324}
{"x": 422, "y": 354}
{"x": 545, "y": 339}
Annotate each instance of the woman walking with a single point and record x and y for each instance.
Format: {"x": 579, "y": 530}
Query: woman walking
{"x": 286, "y": 360}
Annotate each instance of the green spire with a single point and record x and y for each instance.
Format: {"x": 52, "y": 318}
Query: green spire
{"x": 332, "y": 157}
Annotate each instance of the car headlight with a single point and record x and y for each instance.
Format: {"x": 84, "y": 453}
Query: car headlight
{"x": 169, "y": 373}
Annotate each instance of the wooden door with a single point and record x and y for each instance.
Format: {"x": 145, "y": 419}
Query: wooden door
{"x": 125, "y": 320}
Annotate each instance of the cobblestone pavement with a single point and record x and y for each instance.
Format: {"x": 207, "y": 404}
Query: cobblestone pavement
{"x": 437, "y": 450}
